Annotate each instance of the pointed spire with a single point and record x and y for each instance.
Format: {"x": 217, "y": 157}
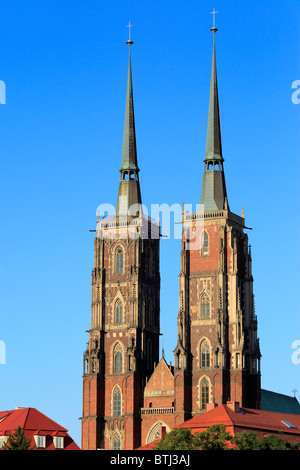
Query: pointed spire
{"x": 213, "y": 194}
{"x": 213, "y": 140}
{"x": 129, "y": 154}
{"x": 129, "y": 189}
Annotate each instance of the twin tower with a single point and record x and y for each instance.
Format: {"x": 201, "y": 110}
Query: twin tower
{"x": 130, "y": 394}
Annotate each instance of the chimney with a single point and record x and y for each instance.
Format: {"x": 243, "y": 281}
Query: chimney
{"x": 233, "y": 405}
{"x": 211, "y": 406}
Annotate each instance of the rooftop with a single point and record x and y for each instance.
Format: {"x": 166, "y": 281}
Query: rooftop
{"x": 35, "y": 423}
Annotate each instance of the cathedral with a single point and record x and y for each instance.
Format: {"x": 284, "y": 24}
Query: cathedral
{"x": 130, "y": 394}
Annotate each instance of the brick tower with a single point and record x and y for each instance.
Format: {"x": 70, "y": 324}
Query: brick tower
{"x": 217, "y": 357}
{"x": 123, "y": 341}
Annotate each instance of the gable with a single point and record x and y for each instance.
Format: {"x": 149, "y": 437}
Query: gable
{"x": 161, "y": 381}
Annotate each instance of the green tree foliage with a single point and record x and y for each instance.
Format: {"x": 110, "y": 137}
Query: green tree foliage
{"x": 213, "y": 438}
{"x": 250, "y": 440}
{"x": 246, "y": 440}
{"x": 274, "y": 442}
{"x": 178, "y": 439}
{"x": 17, "y": 441}
{"x": 216, "y": 437}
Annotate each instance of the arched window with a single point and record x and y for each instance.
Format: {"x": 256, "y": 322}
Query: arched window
{"x": 116, "y": 402}
{"x": 156, "y": 431}
{"x": 118, "y": 358}
{"x": 205, "y": 306}
{"x": 118, "y": 362}
{"x": 116, "y": 441}
{"x": 118, "y": 311}
{"x": 204, "y": 393}
{"x": 204, "y": 244}
{"x": 119, "y": 260}
{"x": 205, "y": 355}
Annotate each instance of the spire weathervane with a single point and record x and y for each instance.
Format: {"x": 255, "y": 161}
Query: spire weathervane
{"x": 129, "y": 40}
{"x": 214, "y": 29}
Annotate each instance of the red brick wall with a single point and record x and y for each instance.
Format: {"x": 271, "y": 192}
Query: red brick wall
{"x": 138, "y": 285}
{"x": 223, "y": 273}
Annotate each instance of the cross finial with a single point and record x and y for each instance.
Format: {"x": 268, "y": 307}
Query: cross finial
{"x": 129, "y": 40}
{"x": 214, "y": 29}
{"x": 294, "y": 391}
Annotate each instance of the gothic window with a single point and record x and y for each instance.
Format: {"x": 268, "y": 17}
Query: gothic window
{"x": 118, "y": 362}
{"x": 205, "y": 355}
{"x": 205, "y": 306}
{"x": 204, "y": 393}
{"x": 204, "y": 244}
{"x": 156, "y": 431}
{"x": 117, "y": 401}
{"x": 118, "y": 311}
{"x": 118, "y": 358}
{"x": 116, "y": 441}
{"x": 119, "y": 260}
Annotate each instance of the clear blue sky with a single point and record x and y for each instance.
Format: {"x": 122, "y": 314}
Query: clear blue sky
{"x": 64, "y": 64}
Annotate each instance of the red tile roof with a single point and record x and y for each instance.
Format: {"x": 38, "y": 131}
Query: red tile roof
{"x": 34, "y": 423}
{"x": 149, "y": 446}
{"x": 259, "y": 420}
{"x": 243, "y": 419}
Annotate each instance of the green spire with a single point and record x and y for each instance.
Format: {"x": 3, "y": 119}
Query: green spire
{"x": 213, "y": 140}
{"x": 213, "y": 194}
{"x": 129, "y": 193}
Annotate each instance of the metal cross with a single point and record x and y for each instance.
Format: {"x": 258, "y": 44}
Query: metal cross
{"x": 294, "y": 391}
{"x": 214, "y": 16}
{"x": 129, "y": 26}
